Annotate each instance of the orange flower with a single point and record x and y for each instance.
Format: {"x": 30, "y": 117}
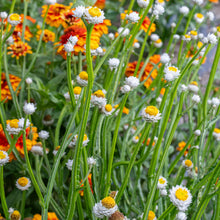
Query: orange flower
{"x": 125, "y": 110}
{"x": 81, "y": 192}
{"x": 148, "y": 142}
{"x": 54, "y": 15}
{"x": 214, "y": 1}
{"x": 100, "y": 4}
{"x": 5, "y": 93}
{"x": 50, "y": 216}
{"x": 181, "y": 145}
{"x": 19, "y": 49}
{"x": 48, "y": 35}
{"x": 102, "y": 28}
{"x": 69, "y": 20}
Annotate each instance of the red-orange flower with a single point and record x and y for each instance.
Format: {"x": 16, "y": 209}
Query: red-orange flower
{"x": 81, "y": 192}
{"x": 48, "y": 35}
{"x": 100, "y": 29}
{"x": 181, "y": 145}
{"x": 69, "y": 20}
{"x": 100, "y": 4}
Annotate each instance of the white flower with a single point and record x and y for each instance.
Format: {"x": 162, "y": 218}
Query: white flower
{"x": 94, "y": 15}
{"x": 215, "y": 102}
{"x": 67, "y": 96}
{"x": 113, "y": 63}
{"x": 193, "y": 34}
{"x": 125, "y": 89}
{"x": 163, "y": 192}
{"x": 158, "y": 43}
{"x": 210, "y": 15}
{"x": 158, "y": 100}
{"x": 14, "y": 19}
{"x": 105, "y": 207}
{"x": 196, "y": 99}
{"x": 154, "y": 37}
{"x": 111, "y": 36}
{"x": 214, "y": 29}
{"x": 107, "y": 110}
{"x": 158, "y": 10}
{"x": 82, "y": 79}
{"x": 181, "y": 197}
{"x": 136, "y": 45}
{"x": 160, "y": 2}
{"x": 135, "y": 139}
{"x": 99, "y": 51}
{"x": 10, "y": 40}
{"x": 216, "y": 133}
{"x": 29, "y": 108}
{"x": 171, "y": 73}
{"x": 56, "y": 151}
{"x": 162, "y": 183}
{"x": 4, "y": 158}
{"x": 184, "y": 10}
{"x": 187, "y": 164}
{"x": 143, "y": 3}
{"x": 173, "y": 24}
{"x": 43, "y": 134}
{"x": 37, "y": 149}
{"x": 193, "y": 87}
{"x": 181, "y": 216}
{"x": 98, "y": 99}
{"x": 69, "y": 46}
{"x": 199, "y": 18}
{"x": 200, "y": 35}
{"x": 15, "y": 126}
{"x": 198, "y": 2}
{"x": 91, "y": 161}
{"x": 69, "y": 164}
{"x": 125, "y": 31}
{"x": 205, "y": 40}
{"x": 133, "y": 17}
{"x": 50, "y": 2}
{"x": 3, "y": 15}
{"x": 186, "y": 38}
{"x": 151, "y": 114}
{"x": 164, "y": 58}
{"x": 197, "y": 132}
{"x": 132, "y": 81}
{"x": 79, "y": 11}
{"x": 195, "y": 147}
{"x": 23, "y": 183}
{"x": 212, "y": 39}
{"x": 85, "y": 141}
{"x": 176, "y": 37}
{"x": 28, "y": 80}
{"x": 47, "y": 120}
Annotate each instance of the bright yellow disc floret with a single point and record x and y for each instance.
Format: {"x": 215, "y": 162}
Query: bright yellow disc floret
{"x": 23, "y": 181}
{"x": 2, "y": 155}
{"x": 161, "y": 181}
{"x": 181, "y": 194}
{"x": 108, "y": 107}
{"x": 95, "y": 12}
{"x": 99, "y": 93}
{"x": 77, "y": 90}
{"x": 188, "y": 163}
{"x": 151, "y": 110}
{"x": 83, "y": 75}
{"x": 14, "y": 17}
{"x": 108, "y": 202}
{"x": 14, "y": 123}
{"x": 151, "y": 215}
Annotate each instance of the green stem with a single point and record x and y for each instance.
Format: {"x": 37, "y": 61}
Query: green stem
{"x": 23, "y": 204}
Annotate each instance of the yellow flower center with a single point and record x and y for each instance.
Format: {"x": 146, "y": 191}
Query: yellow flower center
{"x": 199, "y": 15}
{"x": 14, "y": 17}
{"x": 77, "y": 90}
{"x": 151, "y": 215}
{"x": 194, "y": 83}
{"x": 187, "y": 36}
{"x": 15, "y": 215}
{"x": 217, "y": 130}
{"x": 85, "y": 137}
{"x": 14, "y": 123}
{"x": 181, "y": 194}
{"x": 108, "y": 107}
{"x": 2, "y": 155}
{"x": 23, "y": 181}
{"x": 95, "y": 12}
{"x": 188, "y": 163}
{"x": 161, "y": 181}
{"x": 161, "y": 1}
{"x": 158, "y": 41}
{"x": 218, "y": 28}
{"x": 83, "y": 75}
{"x": 108, "y": 202}
{"x": 136, "y": 137}
{"x": 172, "y": 68}
{"x": 151, "y": 110}
{"x": 194, "y": 33}
{"x": 57, "y": 148}
{"x": 99, "y": 94}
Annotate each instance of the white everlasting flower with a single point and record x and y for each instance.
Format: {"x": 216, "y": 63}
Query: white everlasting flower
{"x": 29, "y": 108}
{"x": 193, "y": 34}
{"x": 73, "y": 40}
{"x": 196, "y": 99}
{"x": 99, "y": 51}
{"x": 159, "y": 100}
{"x": 197, "y": 132}
{"x": 4, "y": 158}
{"x": 98, "y": 99}
{"x": 107, "y": 110}
{"x": 143, "y": 3}
{"x": 155, "y": 139}
{"x": 199, "y": 18}
{"x": 162, "y": 183}
{"x": 94, "y": 15}
{"x": 3, "y": 15}
{"x": 173, "y": 25}
{"x": 151, "y": 114}
{"x": 10, "y": 40}
{"x": 181, "y": 197}
{"x": 171, "y": 73}
{"x": 216, "y": 134}
{"x": 195, "y": 147}
{"x": 43, "y": 134}
{"x": 164, "y": 58}
{"x": 125, "y": 31}
{"x": 105, "y": 207}
{"x": 205, "y": 40}
{"x": 113, "y": 63}
{"x": 125, "y": 89}
{"x": 184, "y": 10}
{"x": 69, "y": 164}
{"x": 50, "y": 2}
{"x": 186, "y": 38}
{"x": 158, "y": 43}
{"x": 69, "y": 46}
{"x": 111, "y": 36}
{"x": 181, "y": 216}
{"x": 163, "y": 192}
{"x": 21, "y": 123}
{"x": 67, "y": 96}
{"x": 187, "y": 164}
{"x": 210, "y": 15}
{"x": 37, "y": 149}
{"x": 135, "y": 139}
{"x": 193, "y": 87}
{"x": 28, "y": 80}
{"x": 154, "y": 37}
{"x": 176, "y": 37}
{"x": 160, "y": 2}
{"x": 23, "y": 183}
{"x": 133, "y": 17}
{"x": 82, "y": 79}
{"x": 214, "y": 30}
{"x": 136, "y": 45}
{"x": 212, "y": 39}
{"x": 200, "y": 35}
{"x": 198, "y": 2}
{"x": 132, "y": 81}
{"x": 47, "y": 120}
{"x": 56, "y": 151}
{"x": 91, "y": 161}
{"x": 85, "y": 141}
{"x": 14, "y": 19}
{"x": 79, "y": 11}
{"x": 158, "y": 10}
{"x": 215, "y": 102}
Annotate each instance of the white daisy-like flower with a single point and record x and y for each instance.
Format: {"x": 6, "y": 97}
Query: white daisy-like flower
{"x": 196, "y": 99}
{"x": 199, "y": 18}
{"x": 85, "y": 141}
{"x": 79, "y": 11}
{"x": 126, "y": 126}
{"x": 99, "y": 51}
{"x": 154, "y": 37}
{"x": 158, "y": 43}
{"x": 111, "y": 36}
{"x": 137, "y": 45}
{"x": 158, "y": 10}
{"x": 205, "y": 40}
{"x": 143, "y": 3}
{"x": 69, "y": 164}
{"x": 159, "y": 100}
{"x": 77, "y": 90}
{"x": 181, "y": 197}
{"x": 215, "y": 102}
{"x": 14, "y": 19}
{"x": 107, "y": 109}
{"x": 212, "y": 39}
{"x": 216, "y": 133}
{"x": 91, "y": 161}
{"x": 171, "y": 73}
{"x": 197, "y": 132}
{"x": 29, "y": 108}
{"x": 163, "y": 192}
{"x": 23, "y": 183}
{"x": 37, "y": 149}
{"x": 14, "y": 214}
{"x": 69, "y": 46}
{"x": 21, "y": 123}
{"x": 135, "y": 139}
{"x": 113, "y": 63}
{"x": 3, "y": 15}
{"x": 193, "y": 34}
{"x": 43, "y": 134}
{"x": 10, "y": 40}
{"x": 125, "y": 89}
{"x": 161, "y": 2}
{"x": 173, "y": 25}
{"x": 188, "y": 164}
{"x": 132, "y": 81}
{"x": 28, "y": 80}
{"x": 200, "y": 35}
{"x": 125, "y": 31}
{"x": 176, "y": 36}
{"x": 133, "y": 17}
{"x": 50, "y": 2}
{"x": 193, "y": 87}
{"x": 214, "y": 30}
{"x": 155, "y": 139}
{"x": 198, "y": 2}
{"x": 4, "y": 158}
{"x": 210, "y": 15}
{"x": 13, "y": 127}
{"x": 98, "y": 99}
{"x": 162, "y": 183}
{"x": 164, "y": 58}
{"x": 184, "y": 10}
{"x": 151, "y": 114}
{"x": 106, "y": 207}
{"x": 67, "y": 96}
{"x": 186, "y": 38}
{"x": 94, "y": 15}
{"x": 47, "y": 120}
{"x": 181, "y": 216}
{"x": 82, "y": 79}
{"x": 56, "y": 151}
